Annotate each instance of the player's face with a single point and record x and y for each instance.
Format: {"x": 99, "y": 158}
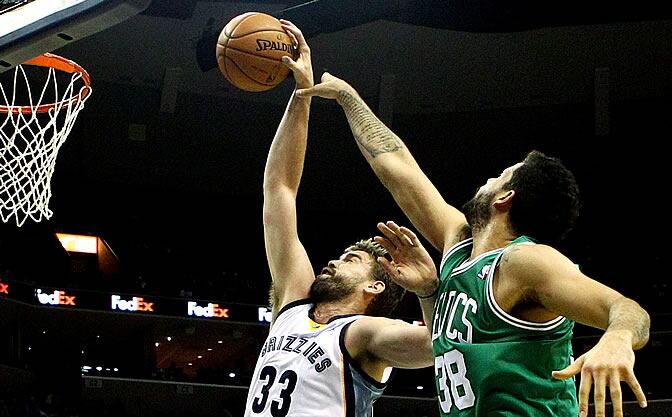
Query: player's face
{"x": 342, "y": 276}
{"x": 478, "y": 209}
{"x": 496, "y": 184}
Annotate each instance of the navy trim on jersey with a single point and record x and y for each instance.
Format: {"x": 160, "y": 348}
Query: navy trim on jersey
{"x": 341, "y": 317}
{"x": 293, "y": 304}
{"x": 349, "y": 386}
{"x": 354, "y": 364}
{"x": 311, "y": 315}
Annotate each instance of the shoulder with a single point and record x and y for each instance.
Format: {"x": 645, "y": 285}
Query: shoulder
{"x": 530, "y": 263}
{"x": 527, "y": 254}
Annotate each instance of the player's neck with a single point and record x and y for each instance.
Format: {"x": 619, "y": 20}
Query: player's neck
{"x": 324, "y": 311}
{"x": 494, "y": 235}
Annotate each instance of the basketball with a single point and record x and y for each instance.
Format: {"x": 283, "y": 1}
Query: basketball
{"x": 250, "y": 50}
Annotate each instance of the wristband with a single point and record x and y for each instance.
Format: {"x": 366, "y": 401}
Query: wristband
{"x": 430, "y": 295}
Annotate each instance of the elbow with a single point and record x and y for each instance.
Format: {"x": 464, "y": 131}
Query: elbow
{"x": 429, "y": 354}
{"x": 427, "y": 360}
{"x": 626, "y": 313}
{"x": 271, "y": 184}
{"x": 643, "y": 338}
{"x": 274, "y": 189}
{"x": 425, "y": 352}
{"x": 279, "y": 203}
{"x": 275, "y": 185}
{"x": 642, "y": 328}
{"x": 387, "y": 174}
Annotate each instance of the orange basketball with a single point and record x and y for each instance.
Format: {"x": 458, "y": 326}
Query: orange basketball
{"x": 250, "y": 50}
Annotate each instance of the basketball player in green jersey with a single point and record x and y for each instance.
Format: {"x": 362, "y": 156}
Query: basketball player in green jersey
{"x": 502, "y": 311}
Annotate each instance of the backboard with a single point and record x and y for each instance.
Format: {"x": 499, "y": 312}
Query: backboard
{"x": 31, "y": 27}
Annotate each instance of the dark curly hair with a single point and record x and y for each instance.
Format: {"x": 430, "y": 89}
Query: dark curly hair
{"x": 547, "y": 200}
{"x": 385, "y": 302}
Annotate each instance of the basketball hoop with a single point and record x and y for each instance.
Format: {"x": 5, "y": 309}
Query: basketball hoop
{"x": 32, "y": 130}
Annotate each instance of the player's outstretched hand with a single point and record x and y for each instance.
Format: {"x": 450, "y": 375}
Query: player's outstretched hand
{"x": 330, "y": 87}
{"x": 608, "y": 363}
{"x": 411, "y": 267}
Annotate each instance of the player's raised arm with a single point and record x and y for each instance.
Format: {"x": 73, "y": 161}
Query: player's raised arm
{"x": 440, "y": 223}
{"x": 291, "y": 271}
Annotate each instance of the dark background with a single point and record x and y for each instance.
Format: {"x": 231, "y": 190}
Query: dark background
{"x": 165, "y": 162}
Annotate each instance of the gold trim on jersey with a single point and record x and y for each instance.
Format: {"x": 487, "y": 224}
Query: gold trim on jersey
{"x": 314, "y": 326}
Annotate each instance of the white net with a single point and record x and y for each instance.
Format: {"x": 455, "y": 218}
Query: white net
{"x": 33, "y": 127}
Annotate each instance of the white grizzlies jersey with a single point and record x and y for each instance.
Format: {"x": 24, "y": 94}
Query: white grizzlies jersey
{"x": 304, "y": 370}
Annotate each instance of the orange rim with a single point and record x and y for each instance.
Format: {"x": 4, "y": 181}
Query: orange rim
{"x": 61, "y": 64}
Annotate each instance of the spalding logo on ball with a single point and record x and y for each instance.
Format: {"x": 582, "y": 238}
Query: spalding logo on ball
{"x": 250, "y": 50}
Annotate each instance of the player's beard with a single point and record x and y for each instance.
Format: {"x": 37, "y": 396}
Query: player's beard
{"x": 477, "y": 210}
{"x": 327, "y": 288}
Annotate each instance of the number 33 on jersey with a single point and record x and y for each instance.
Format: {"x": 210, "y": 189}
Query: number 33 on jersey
{"x": 304, "y": 370}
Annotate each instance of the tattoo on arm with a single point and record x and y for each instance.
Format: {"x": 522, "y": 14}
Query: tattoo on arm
{"x": 508, "y": 252}
{"x": 369, "y": 132}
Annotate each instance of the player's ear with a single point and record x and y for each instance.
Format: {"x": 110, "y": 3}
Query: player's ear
{"x": 375, "y": 287}
{"x": 504, "y": 200}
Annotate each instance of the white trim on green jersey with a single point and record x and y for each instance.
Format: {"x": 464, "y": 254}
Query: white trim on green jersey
{"x": 503, "y": 315}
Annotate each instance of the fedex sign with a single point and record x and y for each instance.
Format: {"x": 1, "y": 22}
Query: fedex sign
{"x": 134, "y": 304}
{"x": 264, "y": 315}
{"x": 4, "y": 288}
{"x": 211, "y": 310}
{"x": 55, "y": 298}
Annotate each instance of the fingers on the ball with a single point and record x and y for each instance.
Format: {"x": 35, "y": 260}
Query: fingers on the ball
{"x": 295, "y": 33}
{"x": 287, "y": 23}
{"x": 299, "y": 36}
{"x": 289, "y": 62}
{"x": 290, "y": 32}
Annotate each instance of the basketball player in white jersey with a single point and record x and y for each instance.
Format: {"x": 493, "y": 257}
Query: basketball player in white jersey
{"x": 326, "y": 353}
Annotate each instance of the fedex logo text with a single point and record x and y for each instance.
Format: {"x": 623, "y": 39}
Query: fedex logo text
{"x": 55, "y": 298}
{"x": 4, "y": 288}
{"x": 211, "y": 310}
{"x": 134, "y": 304}
{"x": 264, "y": 315}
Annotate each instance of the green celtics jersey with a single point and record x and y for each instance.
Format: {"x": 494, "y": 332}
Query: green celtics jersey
{"x": 488, "y": 363}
